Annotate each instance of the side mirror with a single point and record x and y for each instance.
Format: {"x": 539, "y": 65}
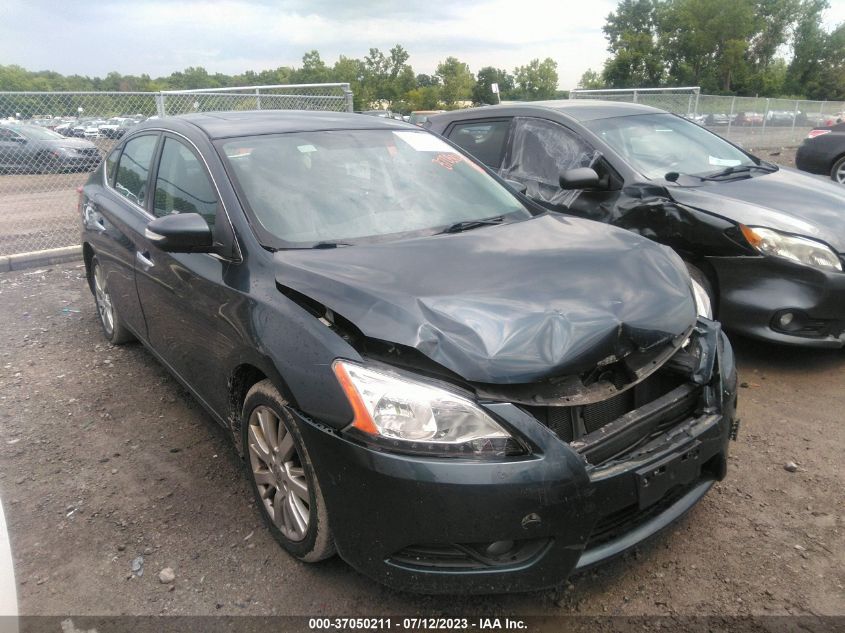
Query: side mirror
{"x": 181, "y": 233}
{"x": 579, "y": 178}
{"x": 519, "y": 187}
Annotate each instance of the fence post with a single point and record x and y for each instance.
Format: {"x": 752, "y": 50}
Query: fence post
{"x": 257, "y": 98}
{"x": 765, "y": 118}
{"x": 697, "y": 95}
{"x": 635, "y": 96}
{"x": 160, "y": 111}
{"x": 347, "y": 92}
{"x": 731, "y": 116}
{"x": 794, "y": 116}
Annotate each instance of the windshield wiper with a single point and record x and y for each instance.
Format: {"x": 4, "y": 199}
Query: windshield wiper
{"x": 330, "y": 244}
{"x": 738, "y": 169}
{"x": 466, "y": 225}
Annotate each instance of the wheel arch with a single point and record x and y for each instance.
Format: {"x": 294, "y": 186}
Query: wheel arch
{"x": 241, "y": 379}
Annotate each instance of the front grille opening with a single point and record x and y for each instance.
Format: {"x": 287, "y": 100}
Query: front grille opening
{"x": 572, "y": 423}
{"x": 470, "y": 556}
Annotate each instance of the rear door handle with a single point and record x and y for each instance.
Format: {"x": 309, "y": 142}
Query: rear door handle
{"x": 144, "y": 259}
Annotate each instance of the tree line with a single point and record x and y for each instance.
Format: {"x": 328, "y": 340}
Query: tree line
{"x": 771, "y": 48}
{"x": 379, "y": 80}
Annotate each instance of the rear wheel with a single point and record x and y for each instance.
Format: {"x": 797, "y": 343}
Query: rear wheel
{"x": 283, "y": 479}
{"x": 113, "y": 326}
{"x": 837, "y": 172}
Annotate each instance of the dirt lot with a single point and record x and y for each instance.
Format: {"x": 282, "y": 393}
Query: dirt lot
{"x": 105, "y": 459}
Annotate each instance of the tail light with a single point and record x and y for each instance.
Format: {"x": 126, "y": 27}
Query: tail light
{"x": 815, "y": 133}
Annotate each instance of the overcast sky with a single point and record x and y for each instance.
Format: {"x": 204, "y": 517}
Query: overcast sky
{"x": 157, "y": 37}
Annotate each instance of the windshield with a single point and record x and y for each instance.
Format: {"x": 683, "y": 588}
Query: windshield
{"x": 33, "y": 132}
{"x": 655, "y": 144}
{"x": 340, "y": 186}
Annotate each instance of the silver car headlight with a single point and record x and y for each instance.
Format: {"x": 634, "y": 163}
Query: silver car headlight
{"x": 802, "y": 250}
{"x": 401, "y": 414}
{"x": 703, "y": 306}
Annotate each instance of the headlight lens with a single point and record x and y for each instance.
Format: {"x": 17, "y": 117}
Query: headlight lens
{"x": 798, "y": 249}
{"x": 702, "y": 300}
{"x": 401, "y": 414}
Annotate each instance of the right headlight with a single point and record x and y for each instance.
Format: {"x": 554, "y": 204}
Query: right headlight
{"x": 397, "y": 413}
{"x": 798, "y": 249}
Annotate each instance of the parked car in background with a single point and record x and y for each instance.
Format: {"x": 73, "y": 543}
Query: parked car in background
{"x": 767, "y": 242}
{"x": 823, "y": 152}
{"x": 451, "y": 387}
{"x": 87, "y": 128}
{"x": 419, "y": 117}
{"x": 31, "y": 148}
{"x": 65, "y": 128}
{"x": 385, "y": 114}
{"x": 748, "y": 119}
{"x": 116, "y": 127}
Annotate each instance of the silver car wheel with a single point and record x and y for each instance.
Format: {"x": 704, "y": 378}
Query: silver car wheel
{"x": 839, "y": 174}
{"x": 104, "y": 304}
{"x": 278, "y": 473}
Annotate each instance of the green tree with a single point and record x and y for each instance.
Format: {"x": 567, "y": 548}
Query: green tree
{"x": 457, "y": 81}
{"x": 633, "y": 34}
{"x": 536, "y": 80}
{"x": 313, "y": 70}
{"x": 591, "y": 80}
{"x": 482, "y": 92}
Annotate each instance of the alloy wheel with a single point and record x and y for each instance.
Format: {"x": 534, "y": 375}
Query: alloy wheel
{"x": 278, "y": 473}
{"x": 104, "y": 304}
{"x": 839, "y": 174}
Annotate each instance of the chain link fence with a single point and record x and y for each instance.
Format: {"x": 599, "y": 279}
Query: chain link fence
{"x": 751, "y": 122}
{"x": 51, "y": 141}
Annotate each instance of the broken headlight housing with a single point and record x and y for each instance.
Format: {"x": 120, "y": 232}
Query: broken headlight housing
{"x": 802, "y": 250}
{"x": 401, "y": 414}
{"x": 703, "y": 307}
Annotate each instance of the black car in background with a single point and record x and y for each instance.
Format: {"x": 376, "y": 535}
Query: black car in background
{"x": 424, "y": 371}
{"x": 823, "y": 153}
{"x": 32, "y": 148}
{"x": 766, "y": 242}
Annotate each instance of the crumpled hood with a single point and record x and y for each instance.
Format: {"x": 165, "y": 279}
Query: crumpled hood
{"x": 787, "y": 200}
{"x": 511, "y": 303}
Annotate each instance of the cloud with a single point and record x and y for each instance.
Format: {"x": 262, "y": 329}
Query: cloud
{"x": 158, "y": 37}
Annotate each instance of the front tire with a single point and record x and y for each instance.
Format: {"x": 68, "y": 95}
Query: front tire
{"x": 113, "y": 326}
{"x": 282, "y": 476}
{"x": 837, "y": 172}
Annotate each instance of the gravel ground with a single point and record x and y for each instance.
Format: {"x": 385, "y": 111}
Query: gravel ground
{"x": 107, "y": 465}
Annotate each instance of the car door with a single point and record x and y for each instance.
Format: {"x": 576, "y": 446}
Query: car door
{"x": 115, "y": 219}
{"x": 185, "y": 296}
{"x": 12, "y": 148}
{"x": 539, "y": 150}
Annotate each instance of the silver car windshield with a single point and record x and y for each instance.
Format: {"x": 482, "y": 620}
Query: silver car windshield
{"x": 655, "y": 144}
{"x": 340, "y": 186}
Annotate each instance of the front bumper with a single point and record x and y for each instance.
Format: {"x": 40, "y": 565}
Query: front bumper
{"x": 425, "y": 524}
{"x": 754, "y": 291}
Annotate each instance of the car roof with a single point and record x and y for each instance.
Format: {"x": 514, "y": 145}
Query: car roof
{"x": 578, "y": 109}
{"x": 218, "y": 125}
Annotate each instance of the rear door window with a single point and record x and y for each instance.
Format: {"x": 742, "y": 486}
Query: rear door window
{"x": 182, "y": 184}
{"x": 483, "y": 139}
{"x": 134, "y": 168}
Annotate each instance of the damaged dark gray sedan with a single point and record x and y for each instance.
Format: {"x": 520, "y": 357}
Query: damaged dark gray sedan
{"x": 767, "y": 243}
{"x": 452, "y": 388}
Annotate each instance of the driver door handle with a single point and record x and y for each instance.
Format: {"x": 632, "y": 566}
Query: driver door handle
{"x": 144, "y": 259}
